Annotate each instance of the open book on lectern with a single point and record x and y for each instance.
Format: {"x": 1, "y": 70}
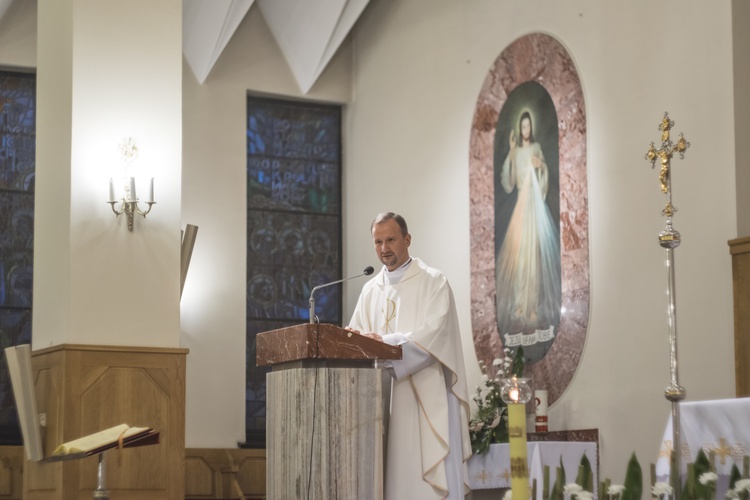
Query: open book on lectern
{"x": 119, "y": 436}
{"x": 21, "y": 378}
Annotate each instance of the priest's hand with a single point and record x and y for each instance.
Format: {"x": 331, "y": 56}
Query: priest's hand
{"x": 350, "y": 329}
{"x": 373, "y": 336}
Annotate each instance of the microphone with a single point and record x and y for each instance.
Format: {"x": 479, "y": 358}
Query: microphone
{"x": 366, "y": 272}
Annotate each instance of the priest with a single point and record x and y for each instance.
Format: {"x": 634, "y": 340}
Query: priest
{"x": 411, "y": 304}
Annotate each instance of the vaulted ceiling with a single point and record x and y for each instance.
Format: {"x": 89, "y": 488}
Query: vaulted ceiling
{"x": 308, "y": 31}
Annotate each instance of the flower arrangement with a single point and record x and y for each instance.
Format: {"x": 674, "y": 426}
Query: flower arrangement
{"x": 575, "y": 491}
{"x": 661, "y": 491}
{"x": 490, "y": 423}
{"x": 700, "y": 483}
{"x": 614, "y": 491}
{"x": 740, "y": 490}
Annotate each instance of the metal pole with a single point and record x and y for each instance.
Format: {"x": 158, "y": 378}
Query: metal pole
{"x": 101, "y": 493}
{"x": 675, "y": 392}
{"x": 669, "y": 239}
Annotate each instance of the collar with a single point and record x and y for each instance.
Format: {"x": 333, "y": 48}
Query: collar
{"x": 393, "y": 277}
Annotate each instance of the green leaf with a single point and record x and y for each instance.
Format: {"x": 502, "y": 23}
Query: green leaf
{"x": 518, "y": 363}
{"x": 557, "y": 490}
{"x": 734, "y": 476}
{"x": 585, "y": 477}
{"x": 633, "y": 480}
{"x": 701, "y": 466}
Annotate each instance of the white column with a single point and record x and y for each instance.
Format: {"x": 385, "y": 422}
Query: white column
{"x": 107, "y": 70}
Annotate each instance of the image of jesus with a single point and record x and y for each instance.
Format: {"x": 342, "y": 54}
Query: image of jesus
{"x": 528, "y": 280}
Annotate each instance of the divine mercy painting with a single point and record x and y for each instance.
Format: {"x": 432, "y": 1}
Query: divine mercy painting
{"x": 527, "y": 221}
{"x": 529, "y": 213}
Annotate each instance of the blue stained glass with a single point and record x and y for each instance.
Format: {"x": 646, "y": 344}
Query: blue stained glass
{"x": 17, "y": 170}
{"x": 293, "y": 225}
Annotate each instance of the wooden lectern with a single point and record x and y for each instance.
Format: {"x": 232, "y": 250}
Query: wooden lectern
{"x": 324, "y": 412}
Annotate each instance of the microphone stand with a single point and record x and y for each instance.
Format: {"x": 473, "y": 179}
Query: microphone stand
{"x": 367, "y": 271}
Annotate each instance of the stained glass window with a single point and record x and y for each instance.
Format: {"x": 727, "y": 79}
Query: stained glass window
{"x": 17, "y": 144}
{"x": 293, "y": 227}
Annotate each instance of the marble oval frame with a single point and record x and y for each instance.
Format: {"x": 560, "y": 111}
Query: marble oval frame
{"x": 541, "y": 58}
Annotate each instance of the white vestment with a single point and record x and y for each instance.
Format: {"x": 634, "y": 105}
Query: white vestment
{"x": 428, "y": 432}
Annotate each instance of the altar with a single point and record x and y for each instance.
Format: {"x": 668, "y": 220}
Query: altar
{"x": 718, "y": 426}
{"x": 492, "y": 469}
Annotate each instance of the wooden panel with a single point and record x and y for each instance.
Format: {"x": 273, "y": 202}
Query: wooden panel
{"x": 252, "y": 474}
{"x": 104, "y": 401}
{"x": 740, "y": 250}
{"x": 83, "y": 389}
{"x": 200, "y": 476}
{"x": 223, "y": 473}
{"x": 11, "y": 472}
{"x": 209, "y": 473}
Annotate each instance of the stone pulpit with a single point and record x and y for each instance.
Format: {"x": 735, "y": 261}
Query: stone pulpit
{"x": 324, "y": 412}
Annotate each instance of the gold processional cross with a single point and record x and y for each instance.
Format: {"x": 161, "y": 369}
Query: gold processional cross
{"x": 664, "y": 154}
{"x": 669, "y": 239}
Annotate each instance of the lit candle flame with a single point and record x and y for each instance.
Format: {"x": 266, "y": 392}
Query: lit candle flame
{"x": 513, "y": 394}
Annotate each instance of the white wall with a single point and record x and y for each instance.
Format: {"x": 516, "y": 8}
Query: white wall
{"x": 741, "y": 50}
{"x": 419, "y": 67}
{"x": 18, "y": 36}
{"x": 94, "y": 281}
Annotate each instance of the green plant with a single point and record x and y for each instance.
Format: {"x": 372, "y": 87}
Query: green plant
{"x": 633, "y": 480}
{"x": 585, "y": 476}
{"x": 490, "y": 423}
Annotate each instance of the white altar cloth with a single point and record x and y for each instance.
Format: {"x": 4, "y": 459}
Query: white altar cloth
{"x": 721, "y": 426}
{"x": 492, "y": 469}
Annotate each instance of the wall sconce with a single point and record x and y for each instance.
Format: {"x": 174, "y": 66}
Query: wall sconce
{"x": 129, "y": 199}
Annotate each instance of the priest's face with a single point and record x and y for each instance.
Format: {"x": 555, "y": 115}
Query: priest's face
{"x": 391, "y": 246}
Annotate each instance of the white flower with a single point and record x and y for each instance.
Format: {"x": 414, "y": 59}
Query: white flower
{"x": 485, "y": 378}
{"x": 584, "y": 495}
{"x": 572, "y": 488}
{"x": 742, "y": 485}
{"x": 708, "y": 477}
{"x": 732, "y": 494}
{"x": 508, "y": 495}
{"x": 497, "y": 362}
{"x": 615, "y": 489}
{"x": 659, "y": 489}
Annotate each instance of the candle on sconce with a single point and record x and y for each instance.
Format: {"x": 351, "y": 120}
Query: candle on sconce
{"x": 132, "y": 196}
{"x": 112, "y": 190}
{"x": 150, "y": 197}
{"x": 516, "y": 392}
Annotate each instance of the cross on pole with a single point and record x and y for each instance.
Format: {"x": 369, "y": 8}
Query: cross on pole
{"x": 669, "y": 239}
{"x": 664, "y": 155}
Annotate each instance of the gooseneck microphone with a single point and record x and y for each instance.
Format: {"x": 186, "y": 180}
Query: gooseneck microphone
{"x": 366, "y": 272}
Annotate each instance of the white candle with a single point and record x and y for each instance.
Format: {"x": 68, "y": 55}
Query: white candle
{"x": 150, "y": 198}
{"x": 112, "y": 190}
{"x": 132, "y": 190}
